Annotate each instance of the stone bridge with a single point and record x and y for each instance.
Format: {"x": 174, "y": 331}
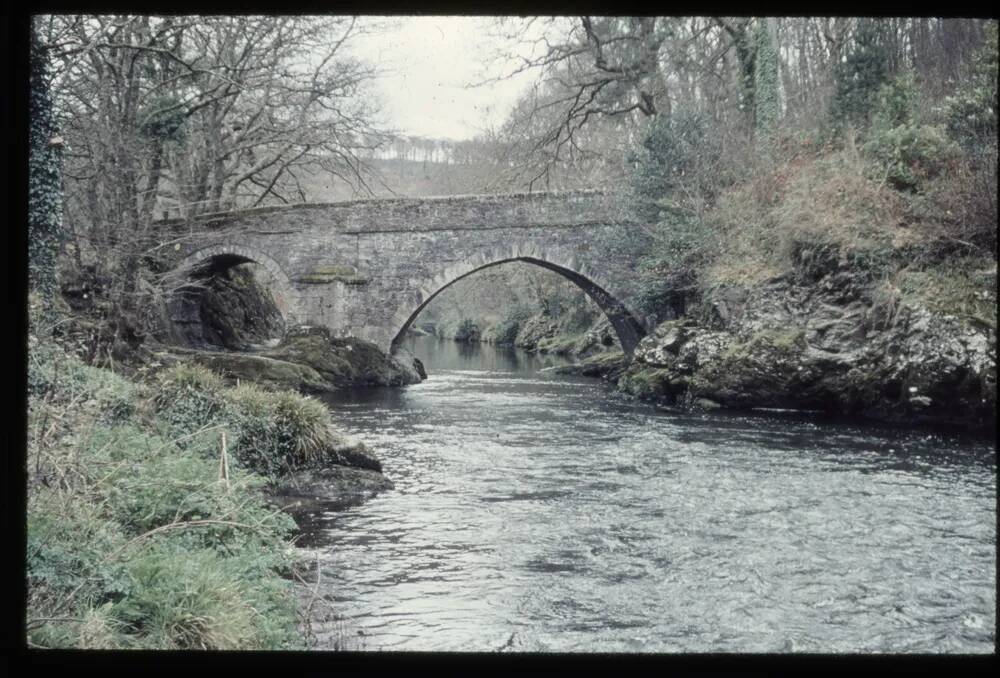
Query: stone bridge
{"x": 367, "y": 268}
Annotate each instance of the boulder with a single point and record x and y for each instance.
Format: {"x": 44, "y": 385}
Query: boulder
{"x": 342, "y": 361}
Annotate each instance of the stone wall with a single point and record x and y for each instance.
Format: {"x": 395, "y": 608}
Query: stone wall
{"x": 366, "y": 268}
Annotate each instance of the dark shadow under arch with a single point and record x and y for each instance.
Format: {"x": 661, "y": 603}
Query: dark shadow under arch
{"x": 216, "y": 259}
{"x": 629, "y": 330}
{"x": 253, "y": 320}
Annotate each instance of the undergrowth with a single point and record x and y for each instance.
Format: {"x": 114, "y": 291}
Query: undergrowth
{"x": 136, "y": 539}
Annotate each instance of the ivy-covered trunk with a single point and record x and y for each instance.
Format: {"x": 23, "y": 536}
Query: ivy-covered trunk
{"x": 44, "y": 178}
{"x": 768, "y": 104}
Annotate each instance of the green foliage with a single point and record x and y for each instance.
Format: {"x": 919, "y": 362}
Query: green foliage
{"x": 909, "y": 153}
{"x": 671, "y": 184}
{"x": 467, "y": 330}
{"x": 188, "y": 399}
{"x": 277, "y": 432}
{"x": 972, "y": 112}
{"x": 668, "y": 156}
{"x": 896, "y": 102}
{"x": 67, "y": 542}
{"x": 119, "y": 555}
{"x": 858, "y": 78}
{"x": 164, "y": 119}
{"x": 44, "y": 177}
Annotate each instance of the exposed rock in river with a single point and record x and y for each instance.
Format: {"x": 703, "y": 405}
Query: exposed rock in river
{"x": 308, "y": 359}
{"x": 351, "y": 475}
{"x": 825, "y": 346}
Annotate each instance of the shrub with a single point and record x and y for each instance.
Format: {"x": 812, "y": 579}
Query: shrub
{"x": 909, "y": 154}
{"x": 896, "y": 102}
{"x": 467, "y": 330}
{"x": 505, "y": 332}
{"x": 188, "y": 400}
{"x": 277, "y": 432}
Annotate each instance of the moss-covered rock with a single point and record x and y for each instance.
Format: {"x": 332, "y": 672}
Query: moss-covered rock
{"x": 308, "y": 359}
{"x": 343, "y": 361}
{"x": 829, "y": 344}
{"x": 264, "y": 370}
{"x": 533, "y": 330}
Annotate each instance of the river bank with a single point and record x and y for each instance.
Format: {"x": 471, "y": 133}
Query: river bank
{"x": 835, "y": 343}
{"x": 160, "y": 504}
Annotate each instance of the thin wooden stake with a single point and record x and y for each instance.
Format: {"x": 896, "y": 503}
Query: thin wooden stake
{"x": 224, "y": 462}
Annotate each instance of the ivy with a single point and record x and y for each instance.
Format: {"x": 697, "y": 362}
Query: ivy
{"x": 766, "y": 86}
{"x": 44, "y": 177}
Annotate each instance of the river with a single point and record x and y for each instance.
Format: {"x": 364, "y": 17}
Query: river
{"x": 539, "y": 512}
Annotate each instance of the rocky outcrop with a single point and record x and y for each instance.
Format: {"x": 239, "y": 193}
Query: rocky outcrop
{"x": 533, "y": 330}
{"x": 350, "y": 474}
{"x": 823, "y": 345}
{"x": 343, "y": 361}
{"x": 545, "y": 334}
{"x": 308, "y": 359}
{"x": 229, "y": 309}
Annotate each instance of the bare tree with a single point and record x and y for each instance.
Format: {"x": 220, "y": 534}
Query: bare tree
{"x": 197, "y": 114}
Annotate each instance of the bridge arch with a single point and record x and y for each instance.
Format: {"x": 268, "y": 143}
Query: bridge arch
{"x": 217, "y": 258}
{"x": 629, "y": 330}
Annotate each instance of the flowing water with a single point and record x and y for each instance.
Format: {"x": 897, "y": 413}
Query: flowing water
{"x": 539, "y": 512}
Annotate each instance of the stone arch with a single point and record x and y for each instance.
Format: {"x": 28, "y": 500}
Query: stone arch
{"x": 224, "y": 256}
{"x": 629, "y": 330}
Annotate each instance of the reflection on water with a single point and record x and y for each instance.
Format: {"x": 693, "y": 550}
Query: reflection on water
{"x": 539, "y": 512}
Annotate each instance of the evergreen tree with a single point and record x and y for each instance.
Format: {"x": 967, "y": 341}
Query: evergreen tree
{"x": 972, "y": 111}
{"x": 668, "y": 153}
{"x": 858, "y": 78}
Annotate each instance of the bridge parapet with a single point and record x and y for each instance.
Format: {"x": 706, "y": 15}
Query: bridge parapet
{"x": 461, "y": 212}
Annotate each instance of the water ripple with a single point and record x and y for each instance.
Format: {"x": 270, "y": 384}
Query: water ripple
{"x": 534, "y": 512}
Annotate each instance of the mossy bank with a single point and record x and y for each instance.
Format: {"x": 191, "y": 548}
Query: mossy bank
{"x": 158, "y": 508}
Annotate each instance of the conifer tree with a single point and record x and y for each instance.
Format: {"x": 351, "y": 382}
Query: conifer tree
{"x": 858, "y": 78}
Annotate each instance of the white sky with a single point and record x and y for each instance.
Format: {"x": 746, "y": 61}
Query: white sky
{"x": 428, "y": 64}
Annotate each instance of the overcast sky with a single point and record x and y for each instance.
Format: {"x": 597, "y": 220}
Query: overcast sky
{"x": 429, "y": 63}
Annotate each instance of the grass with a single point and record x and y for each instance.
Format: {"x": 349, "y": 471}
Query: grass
{"x": 959, "y": 287}
{"x": 134, "y": 541}
{"x": 813, "y": 213}
{"x": 803, "y": 203}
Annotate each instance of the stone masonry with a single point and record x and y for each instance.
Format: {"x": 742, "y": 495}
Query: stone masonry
{"x": 366, "y": 268}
